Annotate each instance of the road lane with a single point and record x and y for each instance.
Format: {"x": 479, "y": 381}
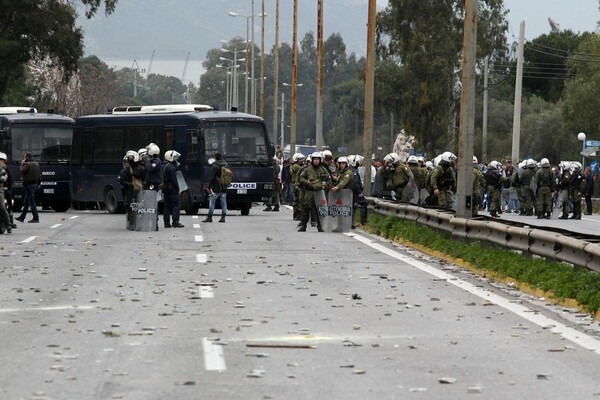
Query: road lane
{"x": 92, "y": 311}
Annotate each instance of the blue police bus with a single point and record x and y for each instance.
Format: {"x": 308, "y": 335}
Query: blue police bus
{"x": 48, "y": 137}
{"x": 196, "y": 131}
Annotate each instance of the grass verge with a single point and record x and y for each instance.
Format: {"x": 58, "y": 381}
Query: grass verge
{"x": 558, "y": 281}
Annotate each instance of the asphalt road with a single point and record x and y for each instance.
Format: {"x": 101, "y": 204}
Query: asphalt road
{"x": 252, "y": 309}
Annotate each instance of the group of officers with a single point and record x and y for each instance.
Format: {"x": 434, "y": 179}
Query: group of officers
{"x": 319, "y": 172}
{"x": 433, "y": 183}
{"x": 144, "y": 170}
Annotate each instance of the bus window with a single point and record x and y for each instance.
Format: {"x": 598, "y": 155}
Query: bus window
{"x": 192, "y": 146}
{"x": 76, "y": 148}
{"x": 137, "y": 137}
{"x": 88, "y": 147}
{"x": 108, "y": 144}
{"x": 169, "y": 135}
{"x": 236, "y": 141}
{"x": 46, "y": 143}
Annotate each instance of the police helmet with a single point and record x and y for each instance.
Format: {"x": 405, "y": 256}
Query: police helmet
{"x": 342, "y": 160}
{"x": 132, "y": 155}
{"x": 421, "y": 159}
{"x": 412, "y": 160}
{"x": 493, "y": 165}
{"x": 475, "y": 161}
{"x": 545, "y": 162}
{"x": 575, "y": 166}
{"x": 316, "y": 154}
{"x": 153, "y": 150}
{"x": 531, "y": 163}
{"x": 172, "y": 155}
{"x": 143, "y": 151}
{"x": 327, "y": 154}
{"x": 429, "y": 165}
{"x": 3, "y": 157}
{"x": 448, "y": 156}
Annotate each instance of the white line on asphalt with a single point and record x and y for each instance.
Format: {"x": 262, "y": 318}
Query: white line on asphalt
{"x": 214, "y": 359}
{"x": 195, "y": 217}
{"x": 196, "y": 226}
{"x": 74, "y": 216}
{"x": 29, "y": 239}
{"x": 566, "y": 332}
{"x": 198, "y": 238}
{"x": 201, "y": 258}
{"x": 50, "y": 308}
{"x": 206, "y": 292}
{"x": 55, "y": 226}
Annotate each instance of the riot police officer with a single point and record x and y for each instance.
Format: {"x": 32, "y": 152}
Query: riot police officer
{"x": 545, "y": 186}
{"x": 170, "y": 188}
{"x": 313, "y": 178}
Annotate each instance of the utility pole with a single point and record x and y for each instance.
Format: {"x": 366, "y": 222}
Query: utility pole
{"x": 294, "y": 79}
{"x": 282, "y": 121}
{"x": 253, "y": 84}
{"x": 518, "y": 90}
{"x": 464, "y": 187}
{"x": 262, "y": 62}
{"x": 276, "y": 79}
{"x": 319, "y": 114}
{"x": 486, "y": 73}
{"x": 369, "y": 96}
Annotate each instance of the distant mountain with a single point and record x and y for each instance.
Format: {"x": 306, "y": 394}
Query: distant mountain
{"x": 174, "y": 27}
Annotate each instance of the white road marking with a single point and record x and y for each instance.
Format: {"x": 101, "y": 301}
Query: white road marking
{"x": 74, "y": 216}
{"x": 49, "y": 308}
{"x": 196, "y": 226}
{"x": 29, "y": 239}
{"x": 566, "y": 332}
{"x": 198, "y": 238}
{"x": 195, "y": 217}
{"x": 55, "y": 226}
{"x": 206, "y": 292}
{"x": 201, "y": 258}
{"x": 214, "y": 359}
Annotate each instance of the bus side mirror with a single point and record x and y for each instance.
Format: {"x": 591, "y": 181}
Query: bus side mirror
{"x": 271, "y": 150}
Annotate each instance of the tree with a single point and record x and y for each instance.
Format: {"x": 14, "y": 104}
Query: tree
{"x": 43, "y": 31}
{"x": 425, "y": 37}
{"x": 545, "y": 66}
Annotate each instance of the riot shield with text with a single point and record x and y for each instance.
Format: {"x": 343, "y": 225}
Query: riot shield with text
{"x": 145, "y": 210}
{"x": 322, "y": 210}
{"x": 340, "y": 210}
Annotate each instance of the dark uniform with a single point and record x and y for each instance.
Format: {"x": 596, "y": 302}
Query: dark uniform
{"x": 172, "y": 201}
{"x": 564, "y": 185}
{"x": 495, "y": 181}
{"x": 525, "y": 180}
{"x": 130, "y": 169}
{"x": 575, "y": 189}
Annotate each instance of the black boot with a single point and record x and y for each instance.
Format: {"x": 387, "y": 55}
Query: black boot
{"x": 208, "y": 218}
{"x": 276, "y": 208}
{"x": 268, "y": 208}
{"x": 222, "y": 218}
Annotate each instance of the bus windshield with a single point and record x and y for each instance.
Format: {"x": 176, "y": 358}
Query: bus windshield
{"x": 49, "y": 144}
{"x": 237, "y": 141}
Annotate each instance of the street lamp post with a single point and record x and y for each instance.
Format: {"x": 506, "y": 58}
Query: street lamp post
{"x": 581, "y": 137}
{"x": 234, "y": 67}
{"x": 252, "y": 15}
{"x": 292, "y": 108}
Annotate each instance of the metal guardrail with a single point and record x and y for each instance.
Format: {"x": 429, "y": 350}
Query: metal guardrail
{"x": 547, "y": 244}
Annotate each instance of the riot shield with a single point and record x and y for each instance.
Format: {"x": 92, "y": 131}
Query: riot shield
{"x": 423, "y": 195}
{"x": 181, "y": 182}
{"x": 410, "y": 194}
{"x": 322, "y": 210}
{"x": 379, "y": 189}
{"x": 340, "y": 210}
{"x": 146, "y": 210}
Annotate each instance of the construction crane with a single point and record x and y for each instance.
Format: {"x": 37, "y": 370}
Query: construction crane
{"x": 149, "y": 70}
{"x": 187, "y": 58}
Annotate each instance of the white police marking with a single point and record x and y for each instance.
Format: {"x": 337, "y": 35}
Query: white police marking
{"x": 214, "y": 359}
{"x": 241, "y": 185}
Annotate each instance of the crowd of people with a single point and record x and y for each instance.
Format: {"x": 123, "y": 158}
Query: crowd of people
{"x": 530, "y": 189}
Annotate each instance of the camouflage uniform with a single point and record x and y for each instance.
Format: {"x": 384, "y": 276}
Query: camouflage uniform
{"x": 478, "y": 183}
{"x": 295, "y": 173}
{"x": 396, "y": 178}
{"x": 525, "y": 180}
{"x": 444, "y": 180}
{"x": 312, "y": 178}
{"x": 494, "y": 180}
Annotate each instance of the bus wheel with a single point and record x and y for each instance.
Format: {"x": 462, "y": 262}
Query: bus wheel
{"x": 245, "y": 209}
{"x": 61, "y": 206}
{"x": 110, "y": 202}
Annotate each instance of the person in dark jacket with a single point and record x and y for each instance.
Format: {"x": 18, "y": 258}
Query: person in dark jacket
{"x": 216, "y": 190}
{"x": 172, "y": 209}
{"x": 30, "y": 172}
{"x": 588, "y": 190}
{"x": 131, "y": 169}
